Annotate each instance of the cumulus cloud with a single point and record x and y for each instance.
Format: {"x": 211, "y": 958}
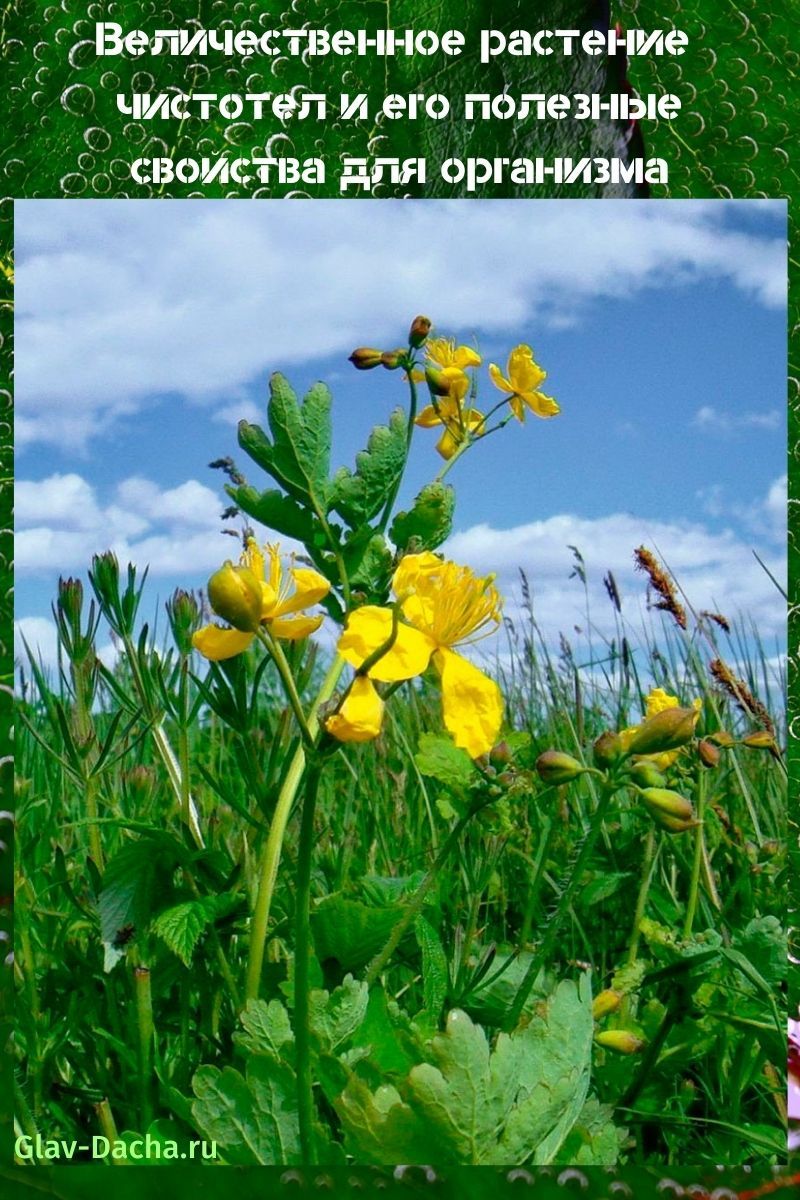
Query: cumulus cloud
{"x": 714, "y": 420}
{"x": 231, "y": 294}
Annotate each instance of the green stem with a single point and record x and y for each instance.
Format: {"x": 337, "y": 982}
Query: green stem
{"x": 270, "y": 859}
{"x": 183, "y": 741}
{"x": 290, "y": 687}
{"x": 565, "y": 901}
{"x": 108, "y": 1126}
{"x": 648, "y": 861}
{"x": 85, "y": 731}
{"x": 302, "y": 954}
{"x": 648, "y": 1063}
{"x": 536, "y": 883}
{"x": 697, "y": 861}
{"x": 412, "y": 417}
{"x": 144, "y": 1023}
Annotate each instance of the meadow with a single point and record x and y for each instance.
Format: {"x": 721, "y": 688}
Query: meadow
{"x": 405, "y": 901}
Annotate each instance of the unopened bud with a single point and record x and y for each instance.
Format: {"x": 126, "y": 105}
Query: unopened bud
{"x": 671, "y": 804}
{"x": 500, "y": 755}
{"x": 365, "y": 358}
{"x": 606, "y": 1002}
{"x": 184, "y": 617}
{"x": 235, "y": 595}
{"x": 761, "y": 740}
{"x": 722, "y": 738}
{"x": 420, "y": 328}
{"x": 708, "y": 753}
{"x": 620, "y": 1040}
{"x": 673, "y": 824}
{"x": 554, "y": 766}
{"x": 646, "y": 775}
{"x": 392, "y": 359}
{"x": 667, "y": 730}
{"x": 607, "y": 749}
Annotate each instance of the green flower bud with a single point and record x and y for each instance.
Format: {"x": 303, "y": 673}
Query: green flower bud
{"x": 667, "y": 730}
{"x": 235, "y": 595}
{"x": 554, "y": 766}
{"x": 365, "y": 358}
{"x": 607, "y": 749}
{"x": 606, "y": 1002}
{"x": 420, "y": 328}
{"x": 392, "y": 359}
{"x": 722, "y": 738}
{"x": 620, "y": 1040}
{"x": 671, "y": 804}
{"x": 761, "y": 740}
{"x": 646, "y": 775}
{"x": 673, "y": 824}
{"x": 500, "y": 755}
{"x": 184, "y": 618}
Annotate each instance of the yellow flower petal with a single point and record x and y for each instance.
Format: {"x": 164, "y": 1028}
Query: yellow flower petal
{"x": 524, "y": 373}
{"x": 292, "y": 629}
{"x": 216, "y": 643}
{"x": 447, "y": 444}
{"x": 518, "y": 408}
{"x": 465, "y": 356}
{"x": 472, "y": 703}
{"x": 411, "y": 566}
{"x": 429, "y": 417}
{"x": 543, "y": 406}
{"x": 309, "y": 588}
{"x": 498, "y": 378}
{"x": 368, "y": 628}
{"x": 359, "y": 718}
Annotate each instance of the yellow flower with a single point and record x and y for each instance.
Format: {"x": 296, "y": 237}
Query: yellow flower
{"x": 445, "y": 353}
{"x": 521, "y": 381}
{"x": 360, "y": 716}
{"x": 443, "y": 606}
{"x": 657, "y": 701}
{"x": 450, "y": 385}
{"x": 283, "y": 596}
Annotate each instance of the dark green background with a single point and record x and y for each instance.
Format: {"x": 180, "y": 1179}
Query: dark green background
{"x": 63, "y": 137}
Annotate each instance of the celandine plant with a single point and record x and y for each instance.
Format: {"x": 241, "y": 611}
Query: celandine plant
{"x": 242, "y": 996}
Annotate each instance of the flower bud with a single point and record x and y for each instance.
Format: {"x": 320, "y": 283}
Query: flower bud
{"x": 667, "y": 730}
{"x": 761, "y": 740}
{"x": 673, "y": 824}
{"x": 606, "y": 1002}
{"x": 708, "y": 753}
{"x": 365, "y": 358}
{"x": 722, "y": 738}
{"x": 621, "y": 1040}
{"x": 437, "y": 381}
{"x": 392, "y": 359}
{"x": 554, "y": 766}
{"x": 500, "y": 755}
{"x": 646, "y": 775}
{"x": 420, "y": 328}
{"x": 663, "y": 801}
{"x": 607, "y": 749}
{"x": 184, "y": 617}
{"x": 235, "y": 595}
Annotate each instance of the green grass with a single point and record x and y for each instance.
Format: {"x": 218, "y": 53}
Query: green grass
{"x": 707, "y": 1087}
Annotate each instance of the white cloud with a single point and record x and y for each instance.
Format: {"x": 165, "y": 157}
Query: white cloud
{"x": 38, "y": 634}
{"x": 197, "y": 300}
{"x": 713, "y": 420}
{"x": 766, "y": 518}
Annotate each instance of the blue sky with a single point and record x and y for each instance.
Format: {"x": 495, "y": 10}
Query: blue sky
{"x": 145, "y": 330}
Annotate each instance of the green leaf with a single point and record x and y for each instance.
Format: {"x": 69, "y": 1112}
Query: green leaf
{"x": 440, "y": 758}
{"x": 360, "y": 496}
{"x": 252, "y": 1118}
{"x": 472, "y": 1103}
{"x": 387, "y": 1033}
{"x": 434, "y": 967}
{"x": 763, "y": 941}
{"x": 492, "y": 1001}
{"x": 349, "y": 931}
{"x": 181, "y": 926}
{"x": 594, "y": 1139}
{"x": 369, "y": 566}
{"x": 335, "y": 1017}
{"x": 133, "y": 880}
{"x": 276, "y": 511}
{"x": 299, "y": 455}
{"x": 267, "y": 1028}
{"x": 428, "y": 523}
{"x": 555, "y": 1055}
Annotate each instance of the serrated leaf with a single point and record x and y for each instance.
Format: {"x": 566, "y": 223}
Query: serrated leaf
{"x": 298, "y": 457}
{"x": 555, "y": 1055}
{"x": 434, "y": 967}
{"x": 181, "y": 926}
{"x": 594, "y": 1139}
{"x": 252, "y": 1118}
{"x": 440, "y": 758}
{"x": 334, "y": 1017}
{"x": 267, "y": 1027}
{"x": 351, "y": 932}
{"x": 359, "y": 496}
{"x": 369, "y": 566}
{"x": 133, "y": 880}
{"x": 428, "y": 522}
{"x": 276, "y": 511}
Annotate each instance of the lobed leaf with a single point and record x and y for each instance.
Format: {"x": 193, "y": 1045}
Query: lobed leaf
{"x": 360, "y": 496}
